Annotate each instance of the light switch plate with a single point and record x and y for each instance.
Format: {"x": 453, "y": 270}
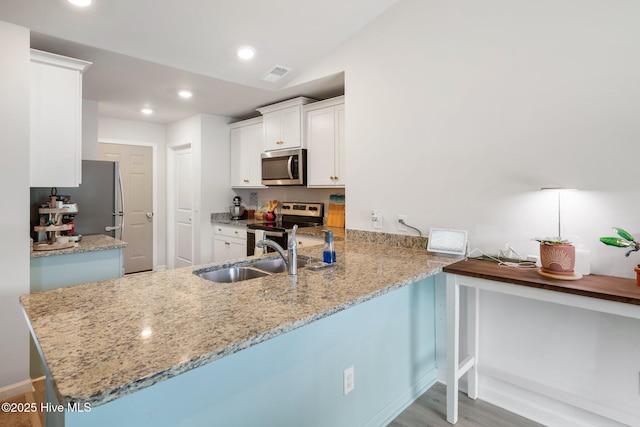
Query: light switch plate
{"x": 376, "y": 219}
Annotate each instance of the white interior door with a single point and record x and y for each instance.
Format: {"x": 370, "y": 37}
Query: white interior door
{"x": 183, "y": 209}
{"x": 136, "y": 170}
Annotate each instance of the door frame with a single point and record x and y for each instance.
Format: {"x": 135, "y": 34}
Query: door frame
{"x": 172, "y": 148}
{"x": 154, "y": 175}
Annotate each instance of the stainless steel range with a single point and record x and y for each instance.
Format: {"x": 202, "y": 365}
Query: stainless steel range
{"x": 292, "y": 213}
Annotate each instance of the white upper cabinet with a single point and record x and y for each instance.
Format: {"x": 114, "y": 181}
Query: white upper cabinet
{"x": 246, "y": 148}
{"x": 283, "y": 124}
{"x": 324, "y": 127}
{"x": 56, "y": 120}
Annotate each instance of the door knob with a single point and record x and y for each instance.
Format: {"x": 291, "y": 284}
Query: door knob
{"x": 149, "y": 214}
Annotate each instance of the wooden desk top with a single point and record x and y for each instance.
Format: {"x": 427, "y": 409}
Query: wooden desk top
{"x": 602, "y": 287}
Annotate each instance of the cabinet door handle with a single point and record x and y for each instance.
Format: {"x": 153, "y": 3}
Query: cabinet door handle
{"x": 246, "y": 180}
{"x": 227, "y": 243}
{"x": 279, "y": 142}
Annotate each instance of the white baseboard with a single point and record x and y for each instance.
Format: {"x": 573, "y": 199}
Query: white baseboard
{"x": 548, "y": 405}
{"x": 16, "y": 389}
{"x": 160, "y": 268}
{"x": 402, "y": 402}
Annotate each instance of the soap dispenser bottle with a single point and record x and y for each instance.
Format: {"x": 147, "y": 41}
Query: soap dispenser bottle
{"x": 329, "y": 253}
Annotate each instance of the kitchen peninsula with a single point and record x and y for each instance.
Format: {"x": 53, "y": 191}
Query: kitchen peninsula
{"x": 93, "y": 258}
{"x": 139, "y": 349}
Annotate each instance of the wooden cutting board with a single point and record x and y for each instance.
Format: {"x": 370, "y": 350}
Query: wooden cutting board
{"x": 335, "y": 217}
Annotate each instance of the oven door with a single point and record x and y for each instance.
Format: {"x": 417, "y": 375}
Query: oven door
{"x": 277, "y": 236}
{"x": 284, "y": 167}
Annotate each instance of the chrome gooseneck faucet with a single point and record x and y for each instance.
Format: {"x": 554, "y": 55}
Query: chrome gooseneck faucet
{"x": 290, "y": 258}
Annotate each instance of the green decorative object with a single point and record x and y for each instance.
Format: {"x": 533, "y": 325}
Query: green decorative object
{"x": 552, "y": 241}
{"x": 625, "y": 240}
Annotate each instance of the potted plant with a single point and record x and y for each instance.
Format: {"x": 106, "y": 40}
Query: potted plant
{"x": 624, "y": 240}
{"x": 557, "y": 258}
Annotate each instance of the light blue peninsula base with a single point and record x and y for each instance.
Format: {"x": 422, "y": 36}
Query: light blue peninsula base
{"x": 296, "y": 378}
{"x": 58, "y": 271}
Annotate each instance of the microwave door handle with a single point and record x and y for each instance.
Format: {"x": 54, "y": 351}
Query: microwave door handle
{"x": 289, "y": 167}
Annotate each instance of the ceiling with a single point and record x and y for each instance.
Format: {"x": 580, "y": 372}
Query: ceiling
{"x": 144, "y": 51}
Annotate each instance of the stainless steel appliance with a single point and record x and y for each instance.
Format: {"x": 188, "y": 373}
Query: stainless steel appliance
{"x": 236, "y": 210}
{"x": 293, "y": 213}
{"x": 99, "y": 198}
{"x": 284, "y": 167}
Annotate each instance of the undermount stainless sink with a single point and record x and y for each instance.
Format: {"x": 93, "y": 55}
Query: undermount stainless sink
{"x": 260, "y": 268}
{"x": 277, "y": 265}
{"x": 232, "y": 274}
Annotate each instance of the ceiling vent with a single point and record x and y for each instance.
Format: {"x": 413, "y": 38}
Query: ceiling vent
{"x": 276, "y": 73}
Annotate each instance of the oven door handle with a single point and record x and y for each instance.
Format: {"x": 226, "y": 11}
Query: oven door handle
{"x": 268, "y": 233}
{"x": 289, "y": 167}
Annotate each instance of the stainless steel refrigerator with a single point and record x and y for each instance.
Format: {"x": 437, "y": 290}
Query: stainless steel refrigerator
{"x": 100, "y": 199}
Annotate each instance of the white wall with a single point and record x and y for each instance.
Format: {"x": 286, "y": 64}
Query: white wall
{"x": 134, "y": 132}
{"x": 209, "y": 139}
{"x": 14, "y": 173}
{"x": 214, "y": 172}
{"x": 459, "y": 112}
{"x": 89, "y": 130}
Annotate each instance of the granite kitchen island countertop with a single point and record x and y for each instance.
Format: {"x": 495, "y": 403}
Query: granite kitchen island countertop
{"x": 89, "y": 243}
{"x": 104, "y": 340}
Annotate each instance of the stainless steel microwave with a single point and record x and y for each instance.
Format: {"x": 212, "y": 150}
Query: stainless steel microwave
{"x": 284, "y": 167}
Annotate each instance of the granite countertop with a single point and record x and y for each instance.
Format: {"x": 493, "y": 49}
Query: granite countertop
{"x": 105, "y": 340}
{"x": 90, "y": 243}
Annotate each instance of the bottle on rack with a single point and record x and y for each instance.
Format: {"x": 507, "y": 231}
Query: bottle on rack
{"x": 329, "y": 253}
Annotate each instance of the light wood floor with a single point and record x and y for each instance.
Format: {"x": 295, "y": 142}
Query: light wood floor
{"x": 25, "y": 419}
{"x": 430, "y": 410}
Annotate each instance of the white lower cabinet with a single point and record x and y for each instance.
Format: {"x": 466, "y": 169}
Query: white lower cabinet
{"x": 229, "y": 242}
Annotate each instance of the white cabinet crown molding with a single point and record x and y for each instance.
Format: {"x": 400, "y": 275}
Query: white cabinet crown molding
{"x": 331, "y": 102}
{"x": 247, "y": 122}
{"x": 295, "y": 102}
{"x": 59, "y": 60}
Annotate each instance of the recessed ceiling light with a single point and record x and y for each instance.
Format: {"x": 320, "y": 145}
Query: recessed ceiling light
{"x": 246, "y": 52}
{"x": 185, "y": 94}
{"x": 146, "y": 111}
{"x": 80, "y": 3}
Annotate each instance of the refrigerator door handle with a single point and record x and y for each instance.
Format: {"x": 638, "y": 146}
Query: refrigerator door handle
{"x": 121, "y": 212}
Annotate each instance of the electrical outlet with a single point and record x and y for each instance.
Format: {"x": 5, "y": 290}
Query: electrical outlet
{"x": 402, "y": 223}
{"x": 376, "y": 219}
{"x": 348, "y": 380}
